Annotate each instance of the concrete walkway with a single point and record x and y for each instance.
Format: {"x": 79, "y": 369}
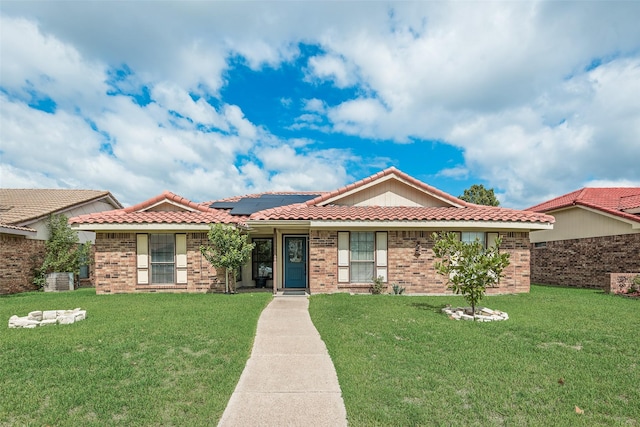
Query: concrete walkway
{"x": 289, "y": 380}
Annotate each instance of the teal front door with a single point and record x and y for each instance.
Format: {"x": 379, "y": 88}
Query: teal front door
{"x": 295, "y": 262}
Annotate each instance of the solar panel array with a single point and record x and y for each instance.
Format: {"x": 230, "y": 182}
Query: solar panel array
{"x": 249, "y": 205}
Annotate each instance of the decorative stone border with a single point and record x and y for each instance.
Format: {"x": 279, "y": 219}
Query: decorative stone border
{"x": 486, "y": 314}
{"x": 49, "y": 317}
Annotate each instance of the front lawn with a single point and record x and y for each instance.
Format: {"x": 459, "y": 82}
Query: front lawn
{"x": 152, "y": 359}
{"x": 401, "y": 362}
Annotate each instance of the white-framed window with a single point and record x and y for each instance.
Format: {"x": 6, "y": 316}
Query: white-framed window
{"x": 488, "y": 239}
{"x": 161, "y": 259}
{"x": 162, "y": 249}
{"x": 362, "y": 256}
{"x": 472, "y": 236}
{"x": 362, "y": 251}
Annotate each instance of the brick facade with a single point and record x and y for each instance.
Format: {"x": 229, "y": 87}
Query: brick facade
{"x": 19, "y": 258}
{"x": 415, "y": 273}
{"x": 585, "y": 263}
{"x": 116, "y": 271}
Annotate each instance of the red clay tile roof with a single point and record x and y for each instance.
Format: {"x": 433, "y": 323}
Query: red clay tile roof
{"x": 199, "y": 214}
{"x": 167, "y": 196}
{"x": 383, "y": 213}
{"x": 611, "y": 200}
{"x": 630, "y": 202}
{"x": 390, "y": 171}
{"x": 19, "y": 206}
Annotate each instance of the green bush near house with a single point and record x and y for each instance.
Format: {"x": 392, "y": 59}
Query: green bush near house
{"x": 139, "y": 360}
{"x": 401, "y": 362}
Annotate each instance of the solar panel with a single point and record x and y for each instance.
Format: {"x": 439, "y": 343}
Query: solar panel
{"x": 249, "y": 205}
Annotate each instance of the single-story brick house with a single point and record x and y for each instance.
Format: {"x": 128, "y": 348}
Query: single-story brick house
{"x": 596, "y": 233}
{"x": 322, "y": 242}
{"x": 23, "y": 228}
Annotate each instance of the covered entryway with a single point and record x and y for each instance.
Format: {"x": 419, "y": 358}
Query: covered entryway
{"x": 295, "y": 262}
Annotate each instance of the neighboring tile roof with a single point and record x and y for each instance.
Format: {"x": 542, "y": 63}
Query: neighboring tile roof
{"x": 612, "y": 200}
{"x": 389, "y": 171}
{"x": 20, "y": 206}
{"x": 13, "y": 227}
{"x": 382, "y": 213}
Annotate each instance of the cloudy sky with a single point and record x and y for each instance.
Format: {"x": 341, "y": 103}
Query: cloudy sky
{"x": 212, "y": 99}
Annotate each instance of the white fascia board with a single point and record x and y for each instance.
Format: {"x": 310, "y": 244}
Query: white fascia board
{"x": 141, "y": 227}
{"x": 433, "y": 224}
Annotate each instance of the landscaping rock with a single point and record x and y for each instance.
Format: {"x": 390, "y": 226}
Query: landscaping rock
{"x": 49, "y": 317}
{"x": 482, "y": 314}
{"x": 35, "y": 315}
{"x": 49, "y": 314}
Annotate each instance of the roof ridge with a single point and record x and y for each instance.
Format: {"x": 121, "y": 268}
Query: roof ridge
{"x": 392, "y": 170}
{"x": 170, "y": 196}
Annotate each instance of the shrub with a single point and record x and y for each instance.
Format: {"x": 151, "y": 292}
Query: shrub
{"x": 378, "y": 286}
{"x": 397, "y": 289}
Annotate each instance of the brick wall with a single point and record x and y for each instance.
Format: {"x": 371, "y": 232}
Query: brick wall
{"x": 621, "y": 283}
{"x": 415, "y": 273}
{"x": 116, "y": 271}
{"x": 585, "y": 263}
{"x": 18, "y": 259}
{"x": 323, "y": 261}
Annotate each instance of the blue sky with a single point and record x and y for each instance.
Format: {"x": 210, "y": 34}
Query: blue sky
{"x": 212, "y": 99}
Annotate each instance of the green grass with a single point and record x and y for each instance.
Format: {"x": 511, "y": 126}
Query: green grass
{"x": 152, "y": 359}
{"x": 401, "y": 362}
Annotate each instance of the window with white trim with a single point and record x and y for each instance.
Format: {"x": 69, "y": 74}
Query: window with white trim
{"x": 162, "y": 249}
{"x": 362, "y": 256}
{"x": 472, "y": 236}
{"x": 362, "y": 251}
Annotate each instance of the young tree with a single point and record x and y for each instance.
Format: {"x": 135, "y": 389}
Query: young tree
{"x": 228, "y": 249}
{"x": 63, "y": 251}
{"x": 480, "y": 196}
{"x": 469, "y": 267}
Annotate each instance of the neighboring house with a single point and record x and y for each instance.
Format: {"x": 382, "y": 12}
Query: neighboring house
{"x": 597, "y": 232}
{"x": 23, "y": 228}
{"x": 321, "y": 242}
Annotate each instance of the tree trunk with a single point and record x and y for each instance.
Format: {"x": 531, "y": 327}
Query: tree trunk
{"x": 226, "y": 280}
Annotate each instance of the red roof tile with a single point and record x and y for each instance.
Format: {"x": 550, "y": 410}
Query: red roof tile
{"x": 199, "y": 214}
{"x": 316, "y": 209}
{"x": 383, "y": 213}
{"x": 612, "y": 200}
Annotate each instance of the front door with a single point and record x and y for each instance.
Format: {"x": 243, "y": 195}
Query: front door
{"x": 295, "y": 262}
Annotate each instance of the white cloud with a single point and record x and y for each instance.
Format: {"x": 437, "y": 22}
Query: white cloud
{"x": 314, "y": 105}
{"x": 331, "y": 67}
{"x": 456, "y": 172}
{"x": 612, "y": 183}
{"x": 106, "y": 140}
{"x": 510, "y": 83}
